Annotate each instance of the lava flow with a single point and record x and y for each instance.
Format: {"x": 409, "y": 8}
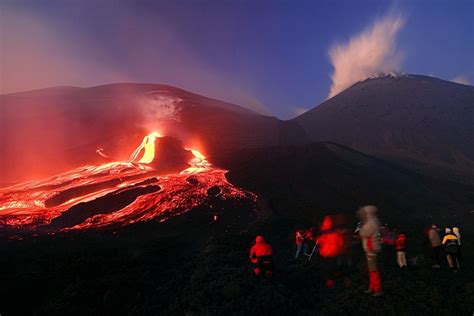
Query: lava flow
{"x": 160, "y": 180}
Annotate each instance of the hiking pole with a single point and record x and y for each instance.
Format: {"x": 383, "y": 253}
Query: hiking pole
{"x": 312, "y": 252}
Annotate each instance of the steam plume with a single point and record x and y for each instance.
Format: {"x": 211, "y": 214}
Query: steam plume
{"x": 370, "y": 52}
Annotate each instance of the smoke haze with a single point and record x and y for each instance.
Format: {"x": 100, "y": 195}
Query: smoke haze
{"x": 371, "y": 52}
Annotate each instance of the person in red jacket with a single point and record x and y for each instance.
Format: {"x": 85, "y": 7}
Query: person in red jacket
{"x": 331, "y": 245}
{"x": 400, "y": 248}
{"x": 261, "y": 255}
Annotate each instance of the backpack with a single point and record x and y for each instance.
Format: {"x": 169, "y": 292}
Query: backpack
{"x": 451, "y": 246}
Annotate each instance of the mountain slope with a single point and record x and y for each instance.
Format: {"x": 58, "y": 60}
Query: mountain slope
{"x": 51, "y": 130}
{"x": 419, "y": 120}
{"x": 309, "y": 181}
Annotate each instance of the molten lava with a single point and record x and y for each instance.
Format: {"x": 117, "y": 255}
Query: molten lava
{"x": 118, "y": 193}
{"x": 148, "y": 146}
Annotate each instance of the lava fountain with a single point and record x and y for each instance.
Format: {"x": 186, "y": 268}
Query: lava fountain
{"x": 161, "y": 179}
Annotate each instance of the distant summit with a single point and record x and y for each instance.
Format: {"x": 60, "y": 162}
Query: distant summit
{"x": 418, "y": 120}
{"x": 386, "y": 75}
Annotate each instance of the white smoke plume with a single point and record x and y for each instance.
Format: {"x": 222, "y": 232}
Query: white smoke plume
{"x": 159, "y": 106}
{"x": 159, "y": 109}
{"x": 366, "y": 54}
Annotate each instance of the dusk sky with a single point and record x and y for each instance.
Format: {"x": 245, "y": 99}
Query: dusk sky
{"x": 273, "y": 56}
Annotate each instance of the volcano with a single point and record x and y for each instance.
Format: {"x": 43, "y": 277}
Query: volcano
{"x": 419, "y": 121}
{"x": 161, "y": 179}
{"x": 44, "y": 132}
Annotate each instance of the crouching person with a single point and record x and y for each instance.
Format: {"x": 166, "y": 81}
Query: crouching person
{"x": 370, "y": 235}
{"x": 261, "y": 255}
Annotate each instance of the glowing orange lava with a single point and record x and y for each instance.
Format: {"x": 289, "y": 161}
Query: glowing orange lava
{"x": 148, "y": 148}
{"x": 115, "y": 194}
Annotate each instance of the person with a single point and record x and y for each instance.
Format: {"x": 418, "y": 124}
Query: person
{"x": 451, "y": 247}
{"x": 369, "y": 233}
{"x": 400, "y": 241}
{"x": 331, "y": 245}
{"x": 344, "y": 259}
{"x": 458, "y": 235}
{"x": 435, "y": 242}
{"x": 300, "y": 244}
{"x": 310, "y": 238}
{"x": 310, "y": 235}
{"x": 261, "y": 255}
{"x": 386, "y": 235}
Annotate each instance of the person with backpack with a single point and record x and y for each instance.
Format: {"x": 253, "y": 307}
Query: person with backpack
{"x": 399, "y": 243}
{"x": 331, "y": 245}
{"x": 435, "y": 242}
{"x": 261, "y": 255}
{"x": 369, "y": 233}
{"x": 300, "y": 244}
{"x": 451, "y": 247}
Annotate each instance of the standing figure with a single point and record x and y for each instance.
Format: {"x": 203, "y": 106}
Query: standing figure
{"x": 458, "y": 234}
{"x": 300, "y": 244}
{"x": 400, "y": 248}
{"x": 261, "y": 255}
{"x": 310, "y": 238}
{"x": 331, "y": 245}
{"x": 451, "y": 247}
{"x": 435, "y": 242}
{"x": 369, "y": 233}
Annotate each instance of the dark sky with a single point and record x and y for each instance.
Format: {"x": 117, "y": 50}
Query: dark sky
{"x": 268, "y": 55}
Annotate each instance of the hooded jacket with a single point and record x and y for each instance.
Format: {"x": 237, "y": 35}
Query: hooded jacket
{"x": 370, "y": 230}
{"x": 260, "y": 249}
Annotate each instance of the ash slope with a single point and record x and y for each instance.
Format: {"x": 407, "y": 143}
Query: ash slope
{"x": 418, "y": 120}
{"x": 308, "y": 181}
{"x": 51, "y": 130}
